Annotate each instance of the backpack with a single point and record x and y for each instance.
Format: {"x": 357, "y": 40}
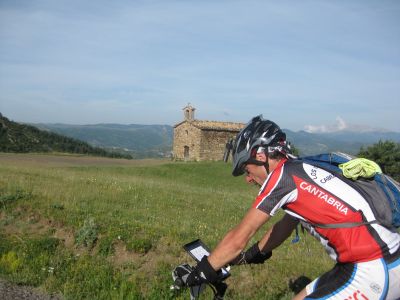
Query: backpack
{"x": 381, "y": 191}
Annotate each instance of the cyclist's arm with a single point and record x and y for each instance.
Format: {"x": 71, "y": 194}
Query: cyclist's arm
{"x": 278, "y": 233}
{"x": 236, "y": 239}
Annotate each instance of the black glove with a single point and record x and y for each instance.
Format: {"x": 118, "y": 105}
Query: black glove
{"x": 253, "y": 255}
{"x": 203, "y": 272}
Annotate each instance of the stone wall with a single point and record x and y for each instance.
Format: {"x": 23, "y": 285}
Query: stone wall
{"x": 213, "y": 143}
{"x": 202, "y": 140}
{"x": 187, "y": 135}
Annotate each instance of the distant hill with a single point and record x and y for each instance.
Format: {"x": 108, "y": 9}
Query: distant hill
{"x": 16, "y": 137}
{"x": 141, "y": 141}
{"x": 345, "y": 141}
{"x": 156, "y": 140}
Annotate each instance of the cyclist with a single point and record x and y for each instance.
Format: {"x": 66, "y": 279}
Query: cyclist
{"x": 367, "y": 256}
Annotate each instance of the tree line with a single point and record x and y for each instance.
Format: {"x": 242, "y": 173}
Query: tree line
{"x": 22, "y": 138}
{"x": 386, "y": 154}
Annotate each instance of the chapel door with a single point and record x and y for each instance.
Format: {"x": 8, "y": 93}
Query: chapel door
{"x": 186, "y": 152}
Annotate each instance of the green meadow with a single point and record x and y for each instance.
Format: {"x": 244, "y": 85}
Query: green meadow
{"x": 97, "y": 228}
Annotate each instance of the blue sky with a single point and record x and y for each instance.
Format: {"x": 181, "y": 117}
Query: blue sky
{"x": 317, "y": 65}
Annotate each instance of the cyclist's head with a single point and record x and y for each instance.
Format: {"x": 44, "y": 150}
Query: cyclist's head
{"x": 258, "y": 133}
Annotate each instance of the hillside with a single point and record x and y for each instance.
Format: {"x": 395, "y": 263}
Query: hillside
{"x": 142, "y": 141}
{"x": 15, "y": 137}
{"x": 156, "y": 140}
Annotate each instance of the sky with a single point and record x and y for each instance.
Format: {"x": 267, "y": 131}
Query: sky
{"x": 310, "y": 65}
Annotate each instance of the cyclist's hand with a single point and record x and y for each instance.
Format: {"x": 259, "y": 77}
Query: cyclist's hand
{"x": 203, "y": 272}
{"x": 253, "y": 255}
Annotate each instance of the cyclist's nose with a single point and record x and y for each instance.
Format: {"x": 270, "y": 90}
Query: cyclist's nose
{"x": 249, "y": 179}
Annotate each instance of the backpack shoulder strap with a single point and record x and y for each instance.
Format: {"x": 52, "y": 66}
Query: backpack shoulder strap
{"x": 343, "y": 225}
{"x": 328, "y": 161}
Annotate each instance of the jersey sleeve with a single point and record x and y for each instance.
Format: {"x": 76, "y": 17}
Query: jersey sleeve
{"x": 277, "y": 190}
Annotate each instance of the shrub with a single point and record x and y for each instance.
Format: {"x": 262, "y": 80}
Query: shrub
{"x": 87, "y": 234}
{"x": 9, "y": 262}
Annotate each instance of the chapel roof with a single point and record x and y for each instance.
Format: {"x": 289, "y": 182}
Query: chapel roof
{"x": 214, "y": 125}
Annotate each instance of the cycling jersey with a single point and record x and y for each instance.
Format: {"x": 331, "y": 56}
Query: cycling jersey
{"x": 315, "y": 196}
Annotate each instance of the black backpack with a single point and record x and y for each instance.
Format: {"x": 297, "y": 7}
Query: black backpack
{"x": 382, "y": 192}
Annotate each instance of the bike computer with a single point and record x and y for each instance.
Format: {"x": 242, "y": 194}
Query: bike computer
{"x": 197, "y": 250}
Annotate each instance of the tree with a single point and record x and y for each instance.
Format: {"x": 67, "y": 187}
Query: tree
{"x": 386, "y": 154}
{"x": 295, "y": 151}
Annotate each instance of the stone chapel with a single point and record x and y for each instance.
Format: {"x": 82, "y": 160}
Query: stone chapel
{"x": 198, "y": 140}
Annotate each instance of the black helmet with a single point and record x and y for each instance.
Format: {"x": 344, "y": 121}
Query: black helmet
{"x": 257, "y": 133}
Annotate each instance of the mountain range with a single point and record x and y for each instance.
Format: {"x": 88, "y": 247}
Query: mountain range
{"x": 143, "y": 141}
{"x": 140, "y": 141}
{"x": 343, "y": 140}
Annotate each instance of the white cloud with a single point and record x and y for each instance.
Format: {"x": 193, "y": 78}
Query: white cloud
{"x": 339, "y": 125}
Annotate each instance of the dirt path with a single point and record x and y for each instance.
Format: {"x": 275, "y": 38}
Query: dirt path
{"x": 10, "y": 291}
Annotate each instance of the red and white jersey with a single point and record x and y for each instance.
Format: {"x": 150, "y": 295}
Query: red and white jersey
{"x": 315, "y": 196}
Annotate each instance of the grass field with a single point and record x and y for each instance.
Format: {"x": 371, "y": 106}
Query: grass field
{"x": 98, "y": 228}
